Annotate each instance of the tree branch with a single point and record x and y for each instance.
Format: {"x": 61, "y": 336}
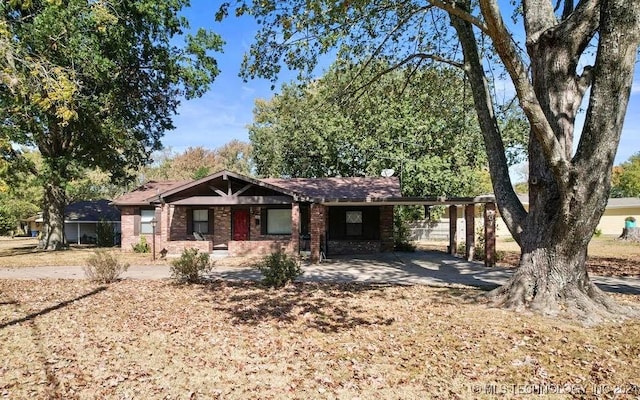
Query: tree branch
{"x": 503, "y": 43}
{"x": 510, "y": 206}
{"x": 453, "y": 8}
{"x": 422, "y": 56}
{"x": 538, "y": 17}
{"x": 578, "y": 27}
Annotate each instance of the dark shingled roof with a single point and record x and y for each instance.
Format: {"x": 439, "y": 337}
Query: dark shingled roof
{"x": 143, "y": 194}
{"x": 91, "y": 211}
{"x": 357, "y": 189}
{"x": 341, "y": 188}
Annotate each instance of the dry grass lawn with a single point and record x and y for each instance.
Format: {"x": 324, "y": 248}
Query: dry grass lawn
{"x": 153, "y": 340}
{"x": 71, "y": 339}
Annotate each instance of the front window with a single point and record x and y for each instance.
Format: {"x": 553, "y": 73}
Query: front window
{"x": 201, "y": 221}
{"x": 146, "y": 216}
{"x": 354, "y": 223}
{"x": 279, "y": 221}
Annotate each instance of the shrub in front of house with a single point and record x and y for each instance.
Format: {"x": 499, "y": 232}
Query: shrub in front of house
{"x": 191, "y": 266}
{"x": 105, "y": 233}
{"x": 104, "y": 267}
{"x": 278, "y": 269}
{"x": 142, "y": 246}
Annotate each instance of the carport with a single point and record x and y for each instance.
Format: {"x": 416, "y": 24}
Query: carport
{"x": 453, "y": 204}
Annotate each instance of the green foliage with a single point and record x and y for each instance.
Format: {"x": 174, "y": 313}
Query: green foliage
{"x": 597, "y": 233}
{"x": 105, "y": 233}
{"x": 422, "y": 129}
{"x": 104, "y": 267}
{"x": 401, "y": 231}
{"x": 190, "y": 267}
{"x": 626, "y": 178}
{"x": 142, "y": 246}
{"x": 278, "y": 269}
{"x": 94, "y": 85}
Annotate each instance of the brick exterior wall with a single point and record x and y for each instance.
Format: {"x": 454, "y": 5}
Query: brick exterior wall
{"x": 221, "y": 226}
{"x": 386, "y": 229}
{"x": 259, "y": 247}
{"x": 318, "y": 229}
{"x": 338, "y": 247}
{"x": 177, "y": 223}
{"x": 172, "y": 234}
{"x": 127, "y": 223}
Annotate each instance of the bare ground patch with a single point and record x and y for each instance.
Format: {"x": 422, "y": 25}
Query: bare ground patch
{"x": 144, "y": 339}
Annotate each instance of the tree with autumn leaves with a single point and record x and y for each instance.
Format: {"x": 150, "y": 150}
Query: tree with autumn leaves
{"x": 94, "y": 84}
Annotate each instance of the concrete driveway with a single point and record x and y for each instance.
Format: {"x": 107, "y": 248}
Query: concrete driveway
{"x": 419, "y": 268}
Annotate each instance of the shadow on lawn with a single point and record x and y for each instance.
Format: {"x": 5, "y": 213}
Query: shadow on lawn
{"x": 321, "y": 306}
{"x": 47, "y": 310}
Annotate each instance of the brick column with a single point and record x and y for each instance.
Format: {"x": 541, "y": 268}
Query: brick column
{"x": 470, "y": 231}
{"x": 386, "y": 228}
{"x": 295, "y": 228}
{"x": 318, "y": 229}
{"x": 490, "y": 234}
{"x": 453, "y": 230}
{"x": 165, "y": 224}
{"x": 127, "y": 230}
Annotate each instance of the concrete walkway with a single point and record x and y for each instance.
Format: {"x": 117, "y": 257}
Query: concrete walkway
{"x": 419, "y": 268}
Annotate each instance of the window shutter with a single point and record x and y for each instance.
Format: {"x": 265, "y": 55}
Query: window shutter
{"x": 263, "y": 221}
{"x": 136, "y": 221}
{"x": 211, "y": 218}
{"x": 189, "y": 221}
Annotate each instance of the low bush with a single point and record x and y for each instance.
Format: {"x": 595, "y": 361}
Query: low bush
{"x": 278, "y": 269}
{"x": 105, "y": 233}
{"x": 104, "y": 267}
{"x": 142, "y": 246}
{"x": 190, "y": 267}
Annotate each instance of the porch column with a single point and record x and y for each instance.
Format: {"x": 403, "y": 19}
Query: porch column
{"x": 166, "y": 214}
{"x": 453, "y": 229}
{"x": 318, "y": 230}
{"x": 386, "y": 228}
{"x": 295, "y": 228}
{"x": 490, "y": 234}
{"x": 470, "y": 231}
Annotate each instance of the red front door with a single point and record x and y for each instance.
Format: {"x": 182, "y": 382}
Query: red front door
{"x": 241, "y": 225}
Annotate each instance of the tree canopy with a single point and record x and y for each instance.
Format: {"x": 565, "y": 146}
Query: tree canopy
{"x": 552, "y": 71}
{"x": 626, "y": 178}
{"x": 424, "y": 129}
{"x": 94, "y": 84}
{"x": 198, "y": 162}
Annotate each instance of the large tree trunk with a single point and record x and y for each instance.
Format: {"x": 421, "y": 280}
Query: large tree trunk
{"x": 53, "y": 216}
{"x": 567, "y": 195}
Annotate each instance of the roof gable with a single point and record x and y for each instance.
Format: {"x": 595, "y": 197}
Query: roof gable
{"x": 224, "y": 184}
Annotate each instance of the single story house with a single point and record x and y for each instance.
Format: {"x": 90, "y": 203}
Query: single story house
{"x": 81, "y": 219}
{"x": 242, "y": 215}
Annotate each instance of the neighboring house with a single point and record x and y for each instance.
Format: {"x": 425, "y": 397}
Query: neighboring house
{"x": 612, "y": 220}
{"x": 243, "y": 215}
{"x": 81, "y": 220}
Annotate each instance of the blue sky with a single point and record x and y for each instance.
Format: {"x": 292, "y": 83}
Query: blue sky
{"x": 224, "y": 113}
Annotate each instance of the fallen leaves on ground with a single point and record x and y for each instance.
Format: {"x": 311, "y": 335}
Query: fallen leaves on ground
{"x": 73, "y": 339}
